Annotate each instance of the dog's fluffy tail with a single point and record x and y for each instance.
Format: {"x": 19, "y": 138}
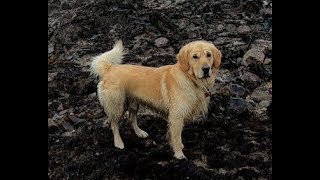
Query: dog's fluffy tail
{"x": 101, "y": 62}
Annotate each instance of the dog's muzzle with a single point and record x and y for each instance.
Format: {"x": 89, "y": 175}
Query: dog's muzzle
{"x": 206, "y": 69}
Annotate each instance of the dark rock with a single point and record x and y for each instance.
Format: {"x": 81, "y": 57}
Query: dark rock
{"x": 67, "y": 126}
{"x": 269, "y": 110}
{"x": 99, "y": 113}
{"x": 250, "y": 78}
{"x": 65, "y": 5}
{"x": 75, "y": 119}
{"x": 237, "y": 104}
{"x": 267, "y": 12}
{"x": 237, "y": 90}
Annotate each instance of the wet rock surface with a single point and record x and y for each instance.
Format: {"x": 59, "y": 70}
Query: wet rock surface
{"x": 233, "y": 142}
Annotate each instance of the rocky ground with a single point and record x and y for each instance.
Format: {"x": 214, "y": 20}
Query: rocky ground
{"x": 233, "y": 142}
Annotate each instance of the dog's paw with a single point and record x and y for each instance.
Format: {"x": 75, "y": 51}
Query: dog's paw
{"x": 119, "y": 145}
{"x": 180, "y": 155}
{"x": 142, "y": 134}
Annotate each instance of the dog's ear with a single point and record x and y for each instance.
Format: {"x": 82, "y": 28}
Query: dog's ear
{"x": 217, "y": 55}
{"x": 182, "y": 58}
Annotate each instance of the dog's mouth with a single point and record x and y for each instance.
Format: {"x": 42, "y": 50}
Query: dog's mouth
{"x": 205, "y": 76}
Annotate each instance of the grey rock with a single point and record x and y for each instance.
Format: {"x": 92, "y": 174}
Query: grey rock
{"x": 222, "y": 40}
{"x": 257, "y": 27}
{"x": 238, "y": 43}
{"x": 168, "y": 51}
{"x": 192, "y": 34}
{"x": 262, "y": 93}
{"x": 67, "y": 126}
{"x": 210, "y": 31}
{"x": 60, "y": 107}
{"x": 183, "y": 23}
{"x": 55, "y": 1}
{"x": 243, "y": 29}
{"x": 224, "y": 34}
{"x": 51, "y": 76}
{"x": 161, "y": 42}
{"x": 57, "y": 116}
{"x": 260, "y": 99}
{"x": 222, "y": 171}
{"x": 262, "y": 156}
{"x": 263, "y": 44}
{"x": 224, "y": 75}
{"x": 249, "y": 76}
{"x": 220, "y": 28}
{"x": 69, "y": 56}
{"x": 138, "y": 46}
{"x": 64, "y": 111}
{"x": 267, "y": 61}
{"x": 254, "y": 55}
{"x": 67, "y": 134}
{"x": 231, "y": 27}
{"x": 51, "y": 123}
{"x": 50, "y": 48}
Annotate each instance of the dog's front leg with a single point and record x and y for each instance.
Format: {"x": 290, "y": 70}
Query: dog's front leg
{"x": 175, "y": 131}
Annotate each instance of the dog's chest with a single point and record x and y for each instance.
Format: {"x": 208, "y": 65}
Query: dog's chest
{"x": 201, "y": 103}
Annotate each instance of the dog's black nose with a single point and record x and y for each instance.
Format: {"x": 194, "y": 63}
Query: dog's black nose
{"x": 206, "y": 70}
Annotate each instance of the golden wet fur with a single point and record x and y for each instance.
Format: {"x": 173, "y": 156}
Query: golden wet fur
{"x": 179, "y": 92}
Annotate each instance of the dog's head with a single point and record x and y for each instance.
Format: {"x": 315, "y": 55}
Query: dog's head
{"x": 199, "y": 59}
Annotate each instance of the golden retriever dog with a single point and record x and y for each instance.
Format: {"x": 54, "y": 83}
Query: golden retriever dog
{"x": 180, "y": 92}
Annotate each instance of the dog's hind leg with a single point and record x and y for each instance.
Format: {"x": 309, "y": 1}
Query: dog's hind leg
{"x": 133, "y": 109}
{"x": 114, "y": 103}
{"x": 115, "y": 130}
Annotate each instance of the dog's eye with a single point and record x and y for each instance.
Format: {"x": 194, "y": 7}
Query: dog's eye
{"x": 208, "y": 55}
{"x": 195, "y": 57}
